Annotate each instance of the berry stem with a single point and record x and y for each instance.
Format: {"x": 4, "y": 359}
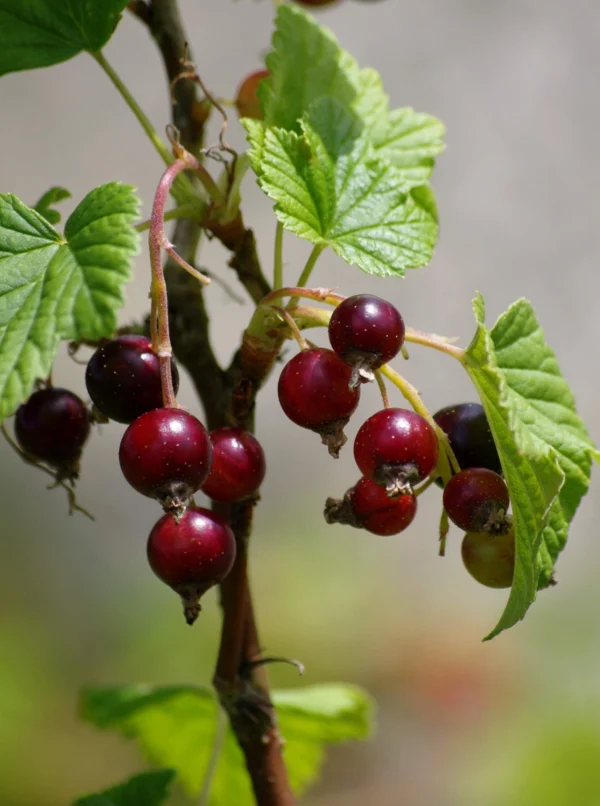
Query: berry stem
{"x": 291, "y": 323}
{"x": 381, "y": 384}
{"x": 440, "y": 343}
{"x": 444, "y": 529}
{"x": 278, "y": 258}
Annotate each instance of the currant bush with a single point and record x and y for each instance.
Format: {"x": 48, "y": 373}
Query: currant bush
{"x": 368, "y": 506}
{"x": 238, "y": 465}
{"x": 366, "y": 332}
{"x": 396, "y": 448}
{"x": 123, "y": 378}
{"x": 166, "y": 454}
{"x": 314, "y": 391}
{"x": 53, "y": 426}
{"x": 477, "y": 500}
{"x": 191, "y": 554}
{"x": 490, "y": 559}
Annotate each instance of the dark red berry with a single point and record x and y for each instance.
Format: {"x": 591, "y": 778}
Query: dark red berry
{"x": 314, "y": 392}
{"x": 166, "y": 454}
{"x": 368, "y": 506}
{"x": 238, "y": 465}
{"x": 366, "y": 332}
{"x": 490, "y": 559}
{"x": 123, "y": 378}
{"x": 246, "y": 97}
{"x": 191, "y": 554}
{"x": 53, "y": 425}
{"x": 476, "y": 500}
{"x": 396, "y": 448}
{"x": 470, "y": 436}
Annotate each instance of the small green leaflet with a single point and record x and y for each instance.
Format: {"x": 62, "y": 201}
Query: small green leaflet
{"x": 307, "y": 63}
{"x": 545, "y": 450}
{"x": 330, "y": 189}
{"x": 54, "y": 287}
{"x": 176, "y": 728}
{"x": 147, "y": 789}
{"x": 44, "y": 206}
{"x": 39, "y": 33}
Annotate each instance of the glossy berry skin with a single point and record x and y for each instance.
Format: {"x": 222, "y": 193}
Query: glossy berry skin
{"x": 53, "y": 425}
{"x": 247, "y": 102}
{"x": 477, "y": 500}
{"x": 396, "y": 448}
{"x": 490, "y": 559}
{"x": 166, "y": 454}
{"x": 314, "y": 392}
{"x": 123, "y": 378}
{"x": 379, "y": 514}
{"x": 191, "y": 554}
{"x": 366, "y": 331}
{"x": 238, "y": 465}
{"x": 469, "y": 435}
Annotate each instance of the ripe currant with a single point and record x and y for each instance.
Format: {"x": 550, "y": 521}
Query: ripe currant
{"x": 368, "y": 506}
{"x": 191, "y": 554}
{"x": 53, "y": 426}
{"x": 314, "y": 392}
{"x": 247, "y": 102}
{"x": 490, "y": 559}
{"x": 469, "y": 435}
{"x": 238, "y": 465}
{"x": 166, "y": 454}
{"x": 366, "y": 332}
{"x": 123, "y": 378}
{"x": 476, "y": 500}
{"x": 396, "y": 448}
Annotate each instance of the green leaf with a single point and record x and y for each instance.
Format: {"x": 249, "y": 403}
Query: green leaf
{"x": 44, "y": 205}
{"x": 54, "y": 287}
{"x": 307, "y": 64}
{"x": 545, "y": 450}
{"x": 176, "y": 727}
{"x": 147, "y": 789}
{"x": 38, "y": 33}
{"x": 330, "y": 188}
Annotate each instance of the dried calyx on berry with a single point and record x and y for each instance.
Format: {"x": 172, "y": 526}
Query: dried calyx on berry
{"x": 477, "y": 500}
{"x": 396, "y": 448}
{"x": 368, "y": 506}
{"x": 166, "y": 454}
{"x": 53, "y": 426}
{"x": 366, "y": 332}
{"x": 123, "y": 378}
{"x": 191, "y": 554}
{"x": 314, "y": 393}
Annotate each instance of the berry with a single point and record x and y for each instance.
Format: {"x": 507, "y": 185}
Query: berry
{"x": 246, "y": 98}
{"x": 490, "y": 559}
{"x": 123, "y": 378}
{"x": 166, "y": 454}
{"x": 396, "y": 448}
{"x": 191, "y": 554}
{"x": 368, "y": 506}
{"x": 366, "y": 332}
{"x": 476, "y": 500}
{"x": 469, "y": 435}
{"x": 314, "y": 392}
{"x": 53, "y": 425}
{"x": 238, "y": 465}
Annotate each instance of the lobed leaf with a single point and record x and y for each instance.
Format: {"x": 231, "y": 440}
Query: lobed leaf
{"x": 544, "y": 448}
{"x": 176, "y": 727}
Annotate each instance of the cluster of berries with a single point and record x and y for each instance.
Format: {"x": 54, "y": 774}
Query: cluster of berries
{"x": 396, "y": 449}
{"x": 165, "y": 453}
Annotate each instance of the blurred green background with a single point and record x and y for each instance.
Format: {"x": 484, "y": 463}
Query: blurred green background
{"x": 461, "y": 723}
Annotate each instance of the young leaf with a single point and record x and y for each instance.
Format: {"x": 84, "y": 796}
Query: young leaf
{"x": 544, "y": 448}
{"x": 177, "y": 727}
{"x": 56, "y": 287}
{"x": 307, "y": 64}
{"x": 147, "y": 789}
{"x": 38, "y": 33}
{"x": 44, "y": 206}
{"x": 330, "y": 188}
